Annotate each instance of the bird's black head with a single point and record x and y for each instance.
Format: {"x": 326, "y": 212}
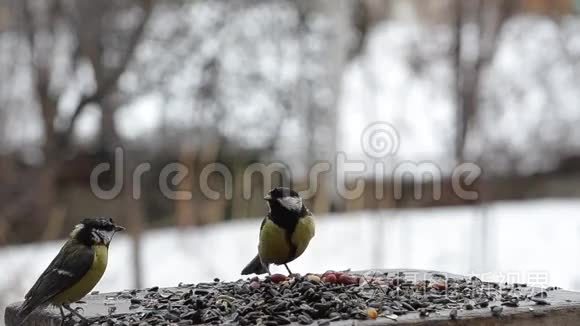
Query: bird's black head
{"x": 281, "y": 192}
{"x": 95, "y": 231}
{"x": 286, "y": 206}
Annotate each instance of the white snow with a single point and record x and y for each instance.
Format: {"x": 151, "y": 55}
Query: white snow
{"x": 523, "y": 239}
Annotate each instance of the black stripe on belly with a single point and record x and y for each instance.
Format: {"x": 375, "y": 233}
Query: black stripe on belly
{"x": 287, "y": 220}
{"x": 291, "y": 245}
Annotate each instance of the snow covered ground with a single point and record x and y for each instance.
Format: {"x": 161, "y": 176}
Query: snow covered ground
{"x": 523, "y": 241}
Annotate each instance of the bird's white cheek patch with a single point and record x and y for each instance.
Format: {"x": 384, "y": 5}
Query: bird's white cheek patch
{"x": 108, "y": 236}
{"x": 291, "y": 203}
{"x": 102, "y": 236}
{"x": 76, "y": 230}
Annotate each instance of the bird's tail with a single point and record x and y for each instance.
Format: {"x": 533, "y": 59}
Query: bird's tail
{"x": 255, "y": 267}
{"x": 24, "y": 311}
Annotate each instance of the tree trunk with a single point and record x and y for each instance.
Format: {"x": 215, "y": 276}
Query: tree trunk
{"x": 135, "y": 225}
{"x": 109, "y": 138}
{"x": 47, "y": 192}
{"x": 185, "y": 210}
{"x": 324, "y": 145}
{"x": 468, "y": 74}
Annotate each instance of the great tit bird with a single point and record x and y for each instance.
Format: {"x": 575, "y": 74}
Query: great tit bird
{"x": 285, "y": 232}
{"x": 75, "y": 270}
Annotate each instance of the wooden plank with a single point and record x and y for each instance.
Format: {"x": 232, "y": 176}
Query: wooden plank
{"x": 564, "y": 308}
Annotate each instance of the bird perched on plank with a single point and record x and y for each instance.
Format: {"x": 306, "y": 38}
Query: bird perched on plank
{"x": 285, "y": 232}
{"x": 75, "y": 270}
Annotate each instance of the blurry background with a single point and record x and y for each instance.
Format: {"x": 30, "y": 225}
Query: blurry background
{"x": 239, "y": 82}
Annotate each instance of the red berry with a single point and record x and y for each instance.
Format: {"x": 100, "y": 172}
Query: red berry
{"x": 346, "y": 279}
{"x": 277, "y": 278}
{"x": 327, "y": 273}
{"x": 440, "y": 286}
{"x": 330, "y": 278}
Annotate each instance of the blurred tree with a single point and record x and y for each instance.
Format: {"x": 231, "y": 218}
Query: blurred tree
{"x": 473, "y": 52}
{"x": 367, "y": 14}
{"x": 266, "y": 67}
{"x": 488, "y": 91}
{"x": 488, "y": 17}
{"x": 320, "y": 101}
{"x": 249, "y": 81}
{"x": 75, "y": 53}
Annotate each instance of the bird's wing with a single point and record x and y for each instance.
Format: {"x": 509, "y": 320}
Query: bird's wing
{"x": 67, "y": 268}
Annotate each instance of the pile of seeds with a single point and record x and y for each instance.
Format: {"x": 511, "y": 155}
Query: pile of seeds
{"x": 332, "y": 296}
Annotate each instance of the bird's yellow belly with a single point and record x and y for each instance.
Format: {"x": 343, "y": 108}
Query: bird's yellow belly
{"x": 274, "y": 246}
{"x": 303, "y": 234}
{"x": 88, "y": 282}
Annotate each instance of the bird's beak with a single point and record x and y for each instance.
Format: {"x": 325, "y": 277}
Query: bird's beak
{"x": 267, "y": 197}
{"x": 119, "y": 228}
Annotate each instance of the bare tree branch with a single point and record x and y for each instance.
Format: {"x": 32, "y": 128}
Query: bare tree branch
{"x": 110, "y": 81}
